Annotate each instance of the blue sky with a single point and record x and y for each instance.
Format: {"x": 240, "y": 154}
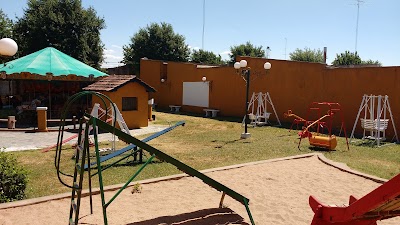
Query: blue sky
{"x": 282, "y": 25}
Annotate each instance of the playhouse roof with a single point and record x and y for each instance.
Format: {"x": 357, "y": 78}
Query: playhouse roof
{"x": 113, "y": 82}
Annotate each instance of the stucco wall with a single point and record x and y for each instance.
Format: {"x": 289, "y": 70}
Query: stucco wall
{"x": 291, "y": 85}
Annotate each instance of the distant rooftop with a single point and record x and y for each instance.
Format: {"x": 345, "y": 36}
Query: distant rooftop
{"x": 113, "y": 82}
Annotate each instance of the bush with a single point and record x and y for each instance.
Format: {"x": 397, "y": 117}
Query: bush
{"x": 13, "y": 179}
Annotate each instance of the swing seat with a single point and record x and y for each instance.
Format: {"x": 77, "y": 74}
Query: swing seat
{"x": 263, "y": 119}
{"x": 258, "y": 120}
{"x": 372, "y": 125}
{"x": 252, "y": 120}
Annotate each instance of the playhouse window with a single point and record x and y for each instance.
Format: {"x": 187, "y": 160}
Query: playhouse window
{"x": 129, "y": 103}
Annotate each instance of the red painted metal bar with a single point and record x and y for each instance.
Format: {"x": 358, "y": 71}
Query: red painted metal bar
{"x": 382, "y": 203}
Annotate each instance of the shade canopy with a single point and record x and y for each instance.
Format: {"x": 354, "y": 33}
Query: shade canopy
{"x": 50, "y": 60}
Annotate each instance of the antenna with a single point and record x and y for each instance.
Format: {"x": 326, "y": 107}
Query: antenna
{"x": 204, "y": 20}
{"x": 285, "y": 47}
{"x": 358, "y": 12}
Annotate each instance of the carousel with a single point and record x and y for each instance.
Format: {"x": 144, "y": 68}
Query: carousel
{"x": 46, "y": 78}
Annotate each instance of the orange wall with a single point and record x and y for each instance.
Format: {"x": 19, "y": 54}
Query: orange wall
{"x": 291, "y": 85}
{"x": 133, "y": 119}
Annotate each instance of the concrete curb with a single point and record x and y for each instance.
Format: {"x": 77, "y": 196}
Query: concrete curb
{"x": 341, "y": 166}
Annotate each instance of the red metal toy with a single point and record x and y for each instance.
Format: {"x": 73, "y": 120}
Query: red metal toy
{"x": 316, "y": 139}
{"x": 382, "y": 203}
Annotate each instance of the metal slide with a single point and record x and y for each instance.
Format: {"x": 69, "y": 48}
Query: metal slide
{"x": 155, "y": 153}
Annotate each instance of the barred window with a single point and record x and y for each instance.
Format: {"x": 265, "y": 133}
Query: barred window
{"x": 129, "y": 103}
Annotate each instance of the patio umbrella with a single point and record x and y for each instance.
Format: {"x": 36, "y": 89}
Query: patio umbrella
{"x": 50, "y": 60}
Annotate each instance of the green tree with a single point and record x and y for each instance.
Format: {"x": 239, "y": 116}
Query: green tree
{"x": 206, "y": 57}
{"x": 347, "y": 58}
{"x": 247, "y": 49}
{"x": 371, "y": 62}
{"x": 62, "y": 24}
{"x": 156, "y": 41}
{"x": 6, "y": 25}
{"x": 307, "y": 55}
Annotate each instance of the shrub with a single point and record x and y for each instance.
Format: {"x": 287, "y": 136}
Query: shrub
{"x": 13, "y": 179}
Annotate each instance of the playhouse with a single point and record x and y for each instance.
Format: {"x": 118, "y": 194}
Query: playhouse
{"x": 129, "y": 93}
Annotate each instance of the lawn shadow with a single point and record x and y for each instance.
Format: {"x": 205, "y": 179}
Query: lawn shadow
{"x": 370, "y": 143}
{"x": 200, "y": 217}
{"x": 226, "y": 142}
{"x": 319, "y": 149}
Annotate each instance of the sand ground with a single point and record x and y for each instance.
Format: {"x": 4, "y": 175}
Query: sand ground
{"x": 278, "y": 193}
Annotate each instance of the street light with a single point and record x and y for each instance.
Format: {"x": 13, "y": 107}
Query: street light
{"x": 8, "y": 47}
{"x": 243, "y": 70}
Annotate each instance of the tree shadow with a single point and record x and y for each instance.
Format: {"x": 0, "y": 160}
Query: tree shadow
{"x": 200, "y": 217}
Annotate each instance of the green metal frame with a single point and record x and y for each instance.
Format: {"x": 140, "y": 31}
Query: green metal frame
{"x": 161, "y": 155}
{"x": 97, "y": 123}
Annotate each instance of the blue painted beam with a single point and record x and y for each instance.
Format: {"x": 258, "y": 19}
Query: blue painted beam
{"x": 132, "y": 146}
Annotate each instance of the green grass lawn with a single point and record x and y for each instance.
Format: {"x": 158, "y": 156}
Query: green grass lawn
{"x": 207, "y": 143}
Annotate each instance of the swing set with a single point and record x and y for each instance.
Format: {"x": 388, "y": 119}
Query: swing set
{"x": 375, "y": 121}
{"x": 259, "y": 114}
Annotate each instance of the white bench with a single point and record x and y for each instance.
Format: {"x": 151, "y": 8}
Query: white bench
{"x": 211, "y": 112}
{"x": 174, "y": 108}
{"x": 372, "y": 125}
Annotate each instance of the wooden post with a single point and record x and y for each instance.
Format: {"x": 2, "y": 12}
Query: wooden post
{"x": 42, "y": 118}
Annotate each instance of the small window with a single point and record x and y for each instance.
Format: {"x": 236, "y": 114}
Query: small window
{"x": 129, "y": 103}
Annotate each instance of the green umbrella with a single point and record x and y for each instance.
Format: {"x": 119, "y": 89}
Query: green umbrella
{"x": 50, "y": 60}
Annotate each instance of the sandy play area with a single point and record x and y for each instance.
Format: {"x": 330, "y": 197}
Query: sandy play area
{"x": 278, "y": 191}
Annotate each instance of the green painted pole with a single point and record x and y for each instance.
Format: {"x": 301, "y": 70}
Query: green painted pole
{"x": 246, "y": 204}
{"x": 130, "y": 180}
{"x": 96, "y": 144}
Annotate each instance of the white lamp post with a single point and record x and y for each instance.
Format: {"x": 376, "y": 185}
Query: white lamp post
{"x": 244, "y": 71}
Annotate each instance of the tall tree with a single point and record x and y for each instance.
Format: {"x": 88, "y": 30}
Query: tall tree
{"x": 156, "y": 41}
{"x": 6, "y": 25}
{"x": 247, "y": 49}
{"x": 307, "y": 55}
{"x": 206, "y": 57}
{"x": 63, "y": 24}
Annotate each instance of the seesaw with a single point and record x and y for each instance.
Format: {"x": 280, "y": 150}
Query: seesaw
{"x": 316, "y": 139}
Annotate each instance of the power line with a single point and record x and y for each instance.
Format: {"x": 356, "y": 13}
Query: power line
{"x": 358, "y": 12}
{"x": 285, "y": 47}
{"x": 204, "y": 20}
